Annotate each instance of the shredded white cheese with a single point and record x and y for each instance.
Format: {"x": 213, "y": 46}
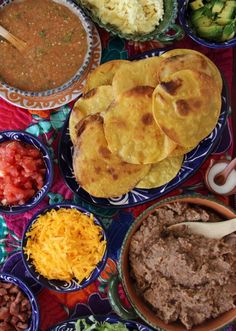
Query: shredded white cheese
{"x": 130, "y": 16}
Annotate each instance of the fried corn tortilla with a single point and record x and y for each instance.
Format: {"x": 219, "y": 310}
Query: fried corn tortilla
{"x": 131, "y": 131}
{"x": 140, "y": 118}
{"x": 180, "y": 150}
{"x": 101, "y": 173}
{"x": 103, "y": 74}
{"x": 161, "y": 172}
{"x": 183, "y": 109}
{"x": 137, "y": 73}
{"x": 95, "y": 101}
{"x": 180, "y": 59}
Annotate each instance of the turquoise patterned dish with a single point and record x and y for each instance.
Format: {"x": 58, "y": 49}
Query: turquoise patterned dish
{"x": 159, "y": 33}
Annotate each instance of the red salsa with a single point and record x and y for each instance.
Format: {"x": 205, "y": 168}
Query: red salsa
{"x": 22, "y": 172}
{"x": 56, "y": 39}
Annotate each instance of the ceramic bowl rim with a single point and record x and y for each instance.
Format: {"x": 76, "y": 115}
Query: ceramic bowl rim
{"x": 35, "y": 315}
{"x": 111, "y": 317}
{"x": 45, "y": 283}
{"x": 189, "y": 31}
{"x": 138, "y": 220}
{"x": 17, "y": 209}
{"x": 78, "y": 74}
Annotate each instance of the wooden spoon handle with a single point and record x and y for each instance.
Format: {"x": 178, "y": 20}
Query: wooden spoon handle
{"x": 221, "y": 177}
{"x": 220, "y": 229}
{"x": 19, "y": 44}
{"x": 211, "y": 230}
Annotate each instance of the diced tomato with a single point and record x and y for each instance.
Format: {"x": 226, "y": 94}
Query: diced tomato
{"x": 35, "y": 153}
{"x": 22, "y": 172}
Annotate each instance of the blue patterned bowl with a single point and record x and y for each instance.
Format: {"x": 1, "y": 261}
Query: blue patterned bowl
{"x": 57, "y": 285}
{"x": 131, "y": 325}
{"x": 34, "y": 321}
{"x": 185, "y": 22}
{"x": 27, "y": 138}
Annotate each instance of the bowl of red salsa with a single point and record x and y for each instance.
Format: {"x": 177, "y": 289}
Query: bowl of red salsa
{"x": 26, "y": 171}
{"x": 59, "y": 42}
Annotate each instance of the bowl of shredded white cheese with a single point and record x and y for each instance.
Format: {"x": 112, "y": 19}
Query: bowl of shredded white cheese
{"x": 138, "y": 20}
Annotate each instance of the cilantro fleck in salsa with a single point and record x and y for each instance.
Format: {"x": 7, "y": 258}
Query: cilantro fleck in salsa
{"x": 56, "y": 41}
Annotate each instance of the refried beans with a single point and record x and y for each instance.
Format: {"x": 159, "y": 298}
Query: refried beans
{"x": 183, "y": 276}
{"x": 56, "y": 41}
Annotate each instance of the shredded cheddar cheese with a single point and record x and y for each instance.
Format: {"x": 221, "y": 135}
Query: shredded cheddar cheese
{"x": 65, "y": 244}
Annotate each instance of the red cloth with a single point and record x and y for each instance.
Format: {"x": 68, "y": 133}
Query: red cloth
{"x": 11, "y": 117}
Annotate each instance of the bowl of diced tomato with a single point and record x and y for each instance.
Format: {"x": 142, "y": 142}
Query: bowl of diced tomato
{"x": 26, "y": 171}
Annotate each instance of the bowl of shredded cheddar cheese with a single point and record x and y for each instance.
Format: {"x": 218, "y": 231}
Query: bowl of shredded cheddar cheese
{"x": 64, "y": 247}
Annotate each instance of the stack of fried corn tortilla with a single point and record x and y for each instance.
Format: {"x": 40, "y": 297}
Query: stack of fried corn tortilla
{"x": 136, "y": 120}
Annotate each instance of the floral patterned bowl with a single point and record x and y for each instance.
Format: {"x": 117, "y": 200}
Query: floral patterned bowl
{"x": 34, "y": 321}
{"x": 57, "y": 285}
{"x": 79, "y": 73}
{"x": 28, "y": 138}
{"x": 139, "y": 308}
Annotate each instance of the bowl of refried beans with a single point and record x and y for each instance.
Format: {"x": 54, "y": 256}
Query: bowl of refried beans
{"x": 176, "y": 280}
{"x": 58, "y": 39}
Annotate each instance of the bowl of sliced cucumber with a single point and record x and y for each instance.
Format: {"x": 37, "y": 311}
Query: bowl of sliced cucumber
{"x": 211, "y": 23}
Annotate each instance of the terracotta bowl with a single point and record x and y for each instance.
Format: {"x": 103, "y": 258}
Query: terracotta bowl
{"x": 137, "y": 303}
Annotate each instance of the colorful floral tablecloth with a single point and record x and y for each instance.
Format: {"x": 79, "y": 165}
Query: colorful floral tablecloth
{"x": 47, "y": 125}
